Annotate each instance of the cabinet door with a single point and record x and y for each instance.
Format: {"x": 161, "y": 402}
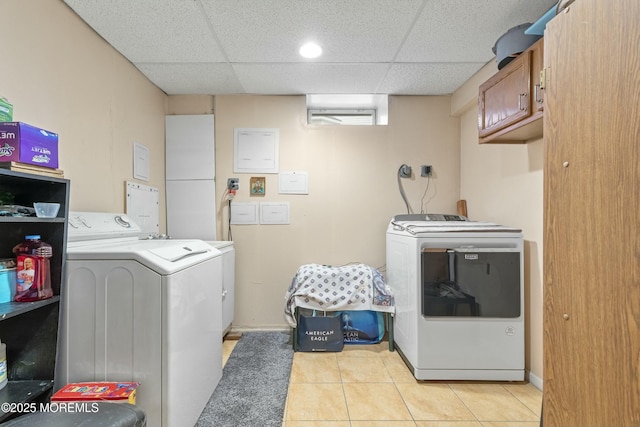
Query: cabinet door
{"x": 591, "y": 216}
{"x": 504, "y": 98}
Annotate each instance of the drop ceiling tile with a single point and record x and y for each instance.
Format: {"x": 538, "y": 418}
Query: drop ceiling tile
{"x": 288, "y": 79}
{"x": 348, "y": 31}
{"x": 152, "y": 30}
{"x": 434, "y": 79}
{"x": 191, "y": 79}
{"x": 466, "y": 31}
{"x": 367, "y": 43}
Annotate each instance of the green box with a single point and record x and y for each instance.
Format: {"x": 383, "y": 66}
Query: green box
{"x": 6, "y": 111}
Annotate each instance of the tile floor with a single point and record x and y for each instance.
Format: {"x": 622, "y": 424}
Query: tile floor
{"x": 368, "y": 386}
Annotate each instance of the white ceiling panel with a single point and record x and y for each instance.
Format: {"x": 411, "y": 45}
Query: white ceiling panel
{"x": 432, "y": 78}
{"x": 166, "y": 31}
{"x": 466, "y": 31}
{"x": 193, "y": 79}
{"x": 418, "y": 47}
{"x": 288, "y": 79}
{"x": 348, "y": 31}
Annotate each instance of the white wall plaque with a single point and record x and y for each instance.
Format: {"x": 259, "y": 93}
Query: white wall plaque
{"x": 256, "y": 150}
{"x": 274, "y": 213}
{"x": 244, "y": 213}
{"x": 293, "y": 183}
{"x": 140, "y": 162}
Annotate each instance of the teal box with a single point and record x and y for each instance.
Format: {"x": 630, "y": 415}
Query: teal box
{"x": 6, "y": 111}
{"x": 7, "y": 284}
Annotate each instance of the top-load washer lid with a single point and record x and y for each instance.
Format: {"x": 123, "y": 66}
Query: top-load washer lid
{"x": 111, "y": 236}
{"x": 162, "y": 256}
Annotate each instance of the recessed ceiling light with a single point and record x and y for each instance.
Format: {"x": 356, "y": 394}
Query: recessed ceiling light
{"x": 310, "y": 50}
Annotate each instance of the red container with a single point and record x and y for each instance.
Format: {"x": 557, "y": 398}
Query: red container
{"x": 33, "y": 270}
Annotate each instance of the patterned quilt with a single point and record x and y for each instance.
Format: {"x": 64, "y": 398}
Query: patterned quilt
{"x": 329, "y": 288}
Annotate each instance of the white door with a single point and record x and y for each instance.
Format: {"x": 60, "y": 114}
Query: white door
{"x": 191, "y": 209}
{"x": 190, "y": 144}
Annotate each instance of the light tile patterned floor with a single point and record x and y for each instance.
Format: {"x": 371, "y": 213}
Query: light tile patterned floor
{"x": 369, "y": 386}
{"x": 227, "y": 348}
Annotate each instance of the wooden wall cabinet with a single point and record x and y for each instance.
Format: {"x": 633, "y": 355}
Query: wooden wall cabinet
{"x": 30, "y": 329}
{"x": 510, "y": 104}
{"x": 591, "y": 320}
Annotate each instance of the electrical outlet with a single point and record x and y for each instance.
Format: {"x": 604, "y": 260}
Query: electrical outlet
{"x": 425, "y": 170}
{"x": 405, "y": 171}
{"x": 233, "y": 183}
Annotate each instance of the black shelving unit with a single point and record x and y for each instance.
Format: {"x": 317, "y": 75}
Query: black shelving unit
{"x": 30, "y": 329}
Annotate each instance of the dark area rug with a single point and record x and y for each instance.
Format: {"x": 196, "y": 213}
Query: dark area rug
{"x": 254, "y": 384}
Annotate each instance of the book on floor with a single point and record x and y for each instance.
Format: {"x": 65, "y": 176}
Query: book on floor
{"x": 117, "y": 392}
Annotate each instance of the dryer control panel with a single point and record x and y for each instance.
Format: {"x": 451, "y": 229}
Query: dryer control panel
{"x": 430, "y": 217}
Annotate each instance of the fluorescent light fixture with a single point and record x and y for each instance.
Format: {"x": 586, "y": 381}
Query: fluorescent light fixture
{"x": 341, "y": 117}
{"x": 310, "y": 50}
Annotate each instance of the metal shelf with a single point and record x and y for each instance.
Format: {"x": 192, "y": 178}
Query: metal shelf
{"x": 17, "y": 393}
{"x": 18, "y": 219}
{"x": 10, "y": 309}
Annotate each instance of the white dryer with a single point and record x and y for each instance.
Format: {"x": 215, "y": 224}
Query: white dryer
{"x": 142, "y": 310}
{"x": 459, "y": 293}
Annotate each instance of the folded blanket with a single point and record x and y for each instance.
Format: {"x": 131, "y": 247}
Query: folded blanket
{"x": 329, "y": 288}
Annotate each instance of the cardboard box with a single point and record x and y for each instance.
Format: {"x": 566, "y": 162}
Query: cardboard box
{"x": 117, "y": 392}
{"x": 6, "y": 111}
{"x": 20, "y": 142}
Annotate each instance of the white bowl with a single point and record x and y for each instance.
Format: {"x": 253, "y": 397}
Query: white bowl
{"x": 46, "y": 210}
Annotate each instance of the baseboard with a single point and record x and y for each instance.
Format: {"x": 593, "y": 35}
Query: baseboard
{"x": 535, "y": 380}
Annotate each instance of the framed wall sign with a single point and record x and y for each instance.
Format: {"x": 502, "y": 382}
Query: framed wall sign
{"x": 293, "y": 183}
{"x": 257, "y": 186}
{"x": 244, "y": 213}
{"x": 274, "y": 213}
{"x": 256, "y": 150}
{"x": 140, "y": 161}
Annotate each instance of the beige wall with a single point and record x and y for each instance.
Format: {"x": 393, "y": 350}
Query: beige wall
{"x": 503, "y": 183}
{"x": 352, "y": 189}
{"x": 60, "y": 76}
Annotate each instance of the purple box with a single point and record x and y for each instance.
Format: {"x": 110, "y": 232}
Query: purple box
{"x": 20, "y": 142}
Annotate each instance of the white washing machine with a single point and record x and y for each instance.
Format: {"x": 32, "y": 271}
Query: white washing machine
{"x": 142, "y": 310}
{"x": 228, "y": 281}
{"x": 459, "y": 293}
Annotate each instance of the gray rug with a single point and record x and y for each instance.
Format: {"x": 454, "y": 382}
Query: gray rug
{"x": 254, "y": 384}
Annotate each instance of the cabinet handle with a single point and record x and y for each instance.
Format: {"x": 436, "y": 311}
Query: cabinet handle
{"x": 520, "y": 106}
{"x": 536, "y": 89}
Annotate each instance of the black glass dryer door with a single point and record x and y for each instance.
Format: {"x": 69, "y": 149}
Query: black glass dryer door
{"x": 492, "y": 277}
{"x": 478, "y": 282}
